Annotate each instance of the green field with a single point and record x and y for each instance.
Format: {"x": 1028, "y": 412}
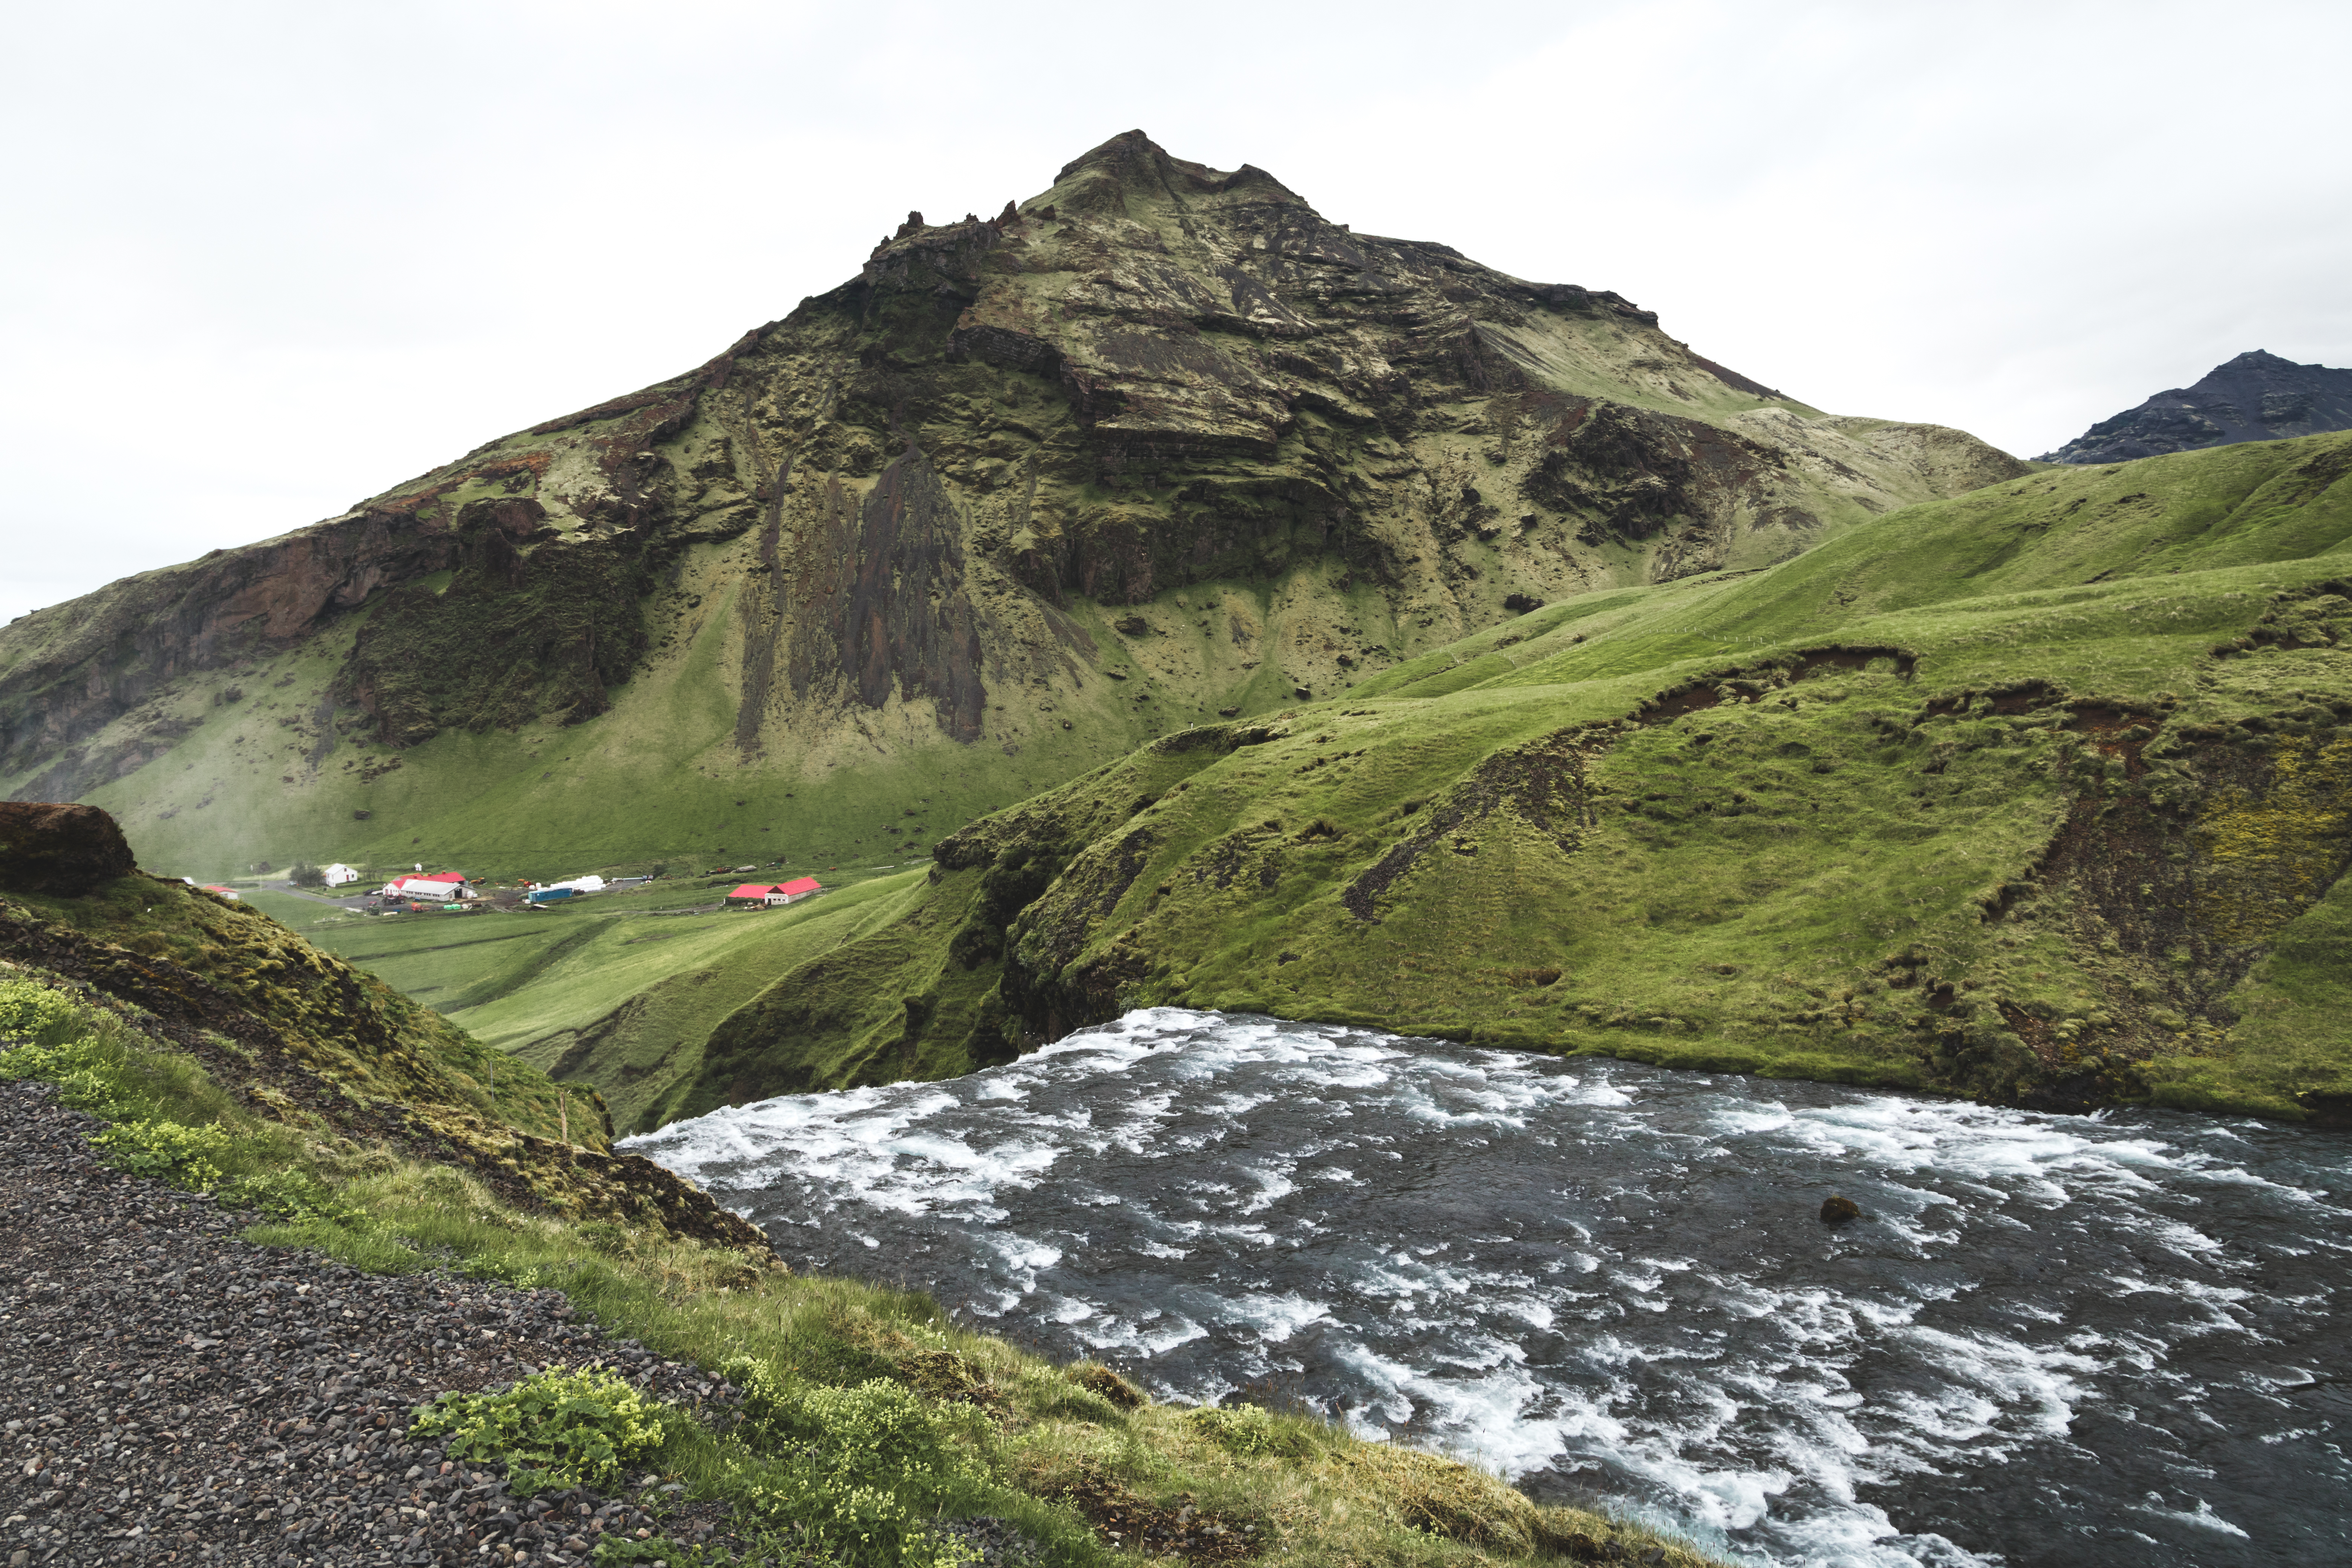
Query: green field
{"x": 612, "y": 989}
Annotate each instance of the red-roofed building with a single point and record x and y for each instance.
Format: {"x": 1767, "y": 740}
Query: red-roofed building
{"x": 770, "y": 895}
{"x": 441, "y": 885}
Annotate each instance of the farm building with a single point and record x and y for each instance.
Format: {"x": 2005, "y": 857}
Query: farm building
{"x": 338, "y": 874}
{"x": 440, "y": 887}
{"x": 772, "y": 895}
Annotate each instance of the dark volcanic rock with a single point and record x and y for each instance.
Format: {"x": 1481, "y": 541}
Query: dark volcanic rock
{"x": 51, "y": 848}
{"x": 2256, "y": 396}
{"x": 1837, "y": 1210}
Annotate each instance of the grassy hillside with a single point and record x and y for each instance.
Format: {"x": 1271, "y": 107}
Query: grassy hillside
{"x": 866, "y": 1416}
{"x": 654, "y": 779}
{"x": 2040, "y": 793}
{"x": 305, "y": 1053}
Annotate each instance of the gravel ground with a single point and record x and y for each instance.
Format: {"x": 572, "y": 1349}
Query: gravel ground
{"x": 169, "y": 1393}
{"x": 1000, "y": 1544}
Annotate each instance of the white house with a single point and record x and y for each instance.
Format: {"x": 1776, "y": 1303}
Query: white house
{"x": 338, "y": 874}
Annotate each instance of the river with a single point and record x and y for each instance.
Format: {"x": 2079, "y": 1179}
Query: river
{"x": 2116, "y": 1340}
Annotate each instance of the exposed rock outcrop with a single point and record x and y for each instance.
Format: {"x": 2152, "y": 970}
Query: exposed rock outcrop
{"x": 2256, "y": 396}
{"x": 45, "y": 847}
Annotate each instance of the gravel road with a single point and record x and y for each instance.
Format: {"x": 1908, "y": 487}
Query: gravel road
{"x": 169, "y": 1393}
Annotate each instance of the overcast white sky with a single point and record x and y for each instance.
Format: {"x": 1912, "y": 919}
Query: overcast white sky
{"x": 265, "y": 259}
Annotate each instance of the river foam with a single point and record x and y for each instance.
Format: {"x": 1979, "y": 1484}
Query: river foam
{"x": 2116, "y": 1339}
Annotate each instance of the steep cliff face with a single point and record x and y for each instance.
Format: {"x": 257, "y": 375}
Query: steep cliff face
{"x": 2256, "y": 396}
{"x": 2041, "y": 794}
{"x": 1160, "y": 423}
{"x": 70, "y": 671}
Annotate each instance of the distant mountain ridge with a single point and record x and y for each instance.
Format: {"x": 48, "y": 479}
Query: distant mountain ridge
{"x": 2257, "y": 397}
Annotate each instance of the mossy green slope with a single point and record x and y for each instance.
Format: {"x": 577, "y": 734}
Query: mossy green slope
{"x": 152, "y": 933}
{"x": 300, "y": 1039}
{"x": 1026, "y": 493}
{"x": 2040, "y": 793}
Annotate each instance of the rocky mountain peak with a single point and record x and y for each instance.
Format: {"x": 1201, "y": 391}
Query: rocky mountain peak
{"x": 1131, "y": 163}
{"x": 1156, "y": 407}
{"x": 2254, "y": 396}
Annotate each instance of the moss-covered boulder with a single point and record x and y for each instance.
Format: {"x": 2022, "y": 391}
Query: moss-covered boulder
{"x": 52, "y": 848}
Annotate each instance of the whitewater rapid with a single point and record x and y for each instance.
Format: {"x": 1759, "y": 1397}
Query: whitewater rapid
{"x": 2116, "y": 1340}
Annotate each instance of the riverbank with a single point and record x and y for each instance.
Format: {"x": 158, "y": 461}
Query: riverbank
{"x": 186, "y": 1367}
{"x": 2123, "y": 1333}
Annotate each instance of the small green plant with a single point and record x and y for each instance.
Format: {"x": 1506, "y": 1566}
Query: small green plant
{"x": 874, "y": 1433}
{"x": 848, "y": 1521}
{"x": 576, "y": 1427}
{"x": 34, "y": 1013}
{"x": 87, "y": 1067}
{"x": 857, "y": 1462}
{"x": 184, "y": 1156}
{"x": 292, "y": 1194}
{"x": 1248, "y": 1432}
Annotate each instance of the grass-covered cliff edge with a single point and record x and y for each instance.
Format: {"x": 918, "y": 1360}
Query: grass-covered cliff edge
{"x": 858, "y": 1424}
{"x": 2040, "y": 794}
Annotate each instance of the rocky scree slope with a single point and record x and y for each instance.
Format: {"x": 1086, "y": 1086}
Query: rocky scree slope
{"x": 177, "y": 1389}
{"x": 2041, "y": 794}
{"x": 2256, "y": 396}
{"x": 1027, "y": 491}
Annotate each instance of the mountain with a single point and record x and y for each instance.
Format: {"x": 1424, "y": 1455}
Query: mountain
{"x": 2041, "y": 794}
{"x": 1158, "y": 444}
{"x": 2256, "y": 396}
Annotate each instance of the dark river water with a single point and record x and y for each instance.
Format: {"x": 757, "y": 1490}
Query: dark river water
{"x": 2053, "y": 1339}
